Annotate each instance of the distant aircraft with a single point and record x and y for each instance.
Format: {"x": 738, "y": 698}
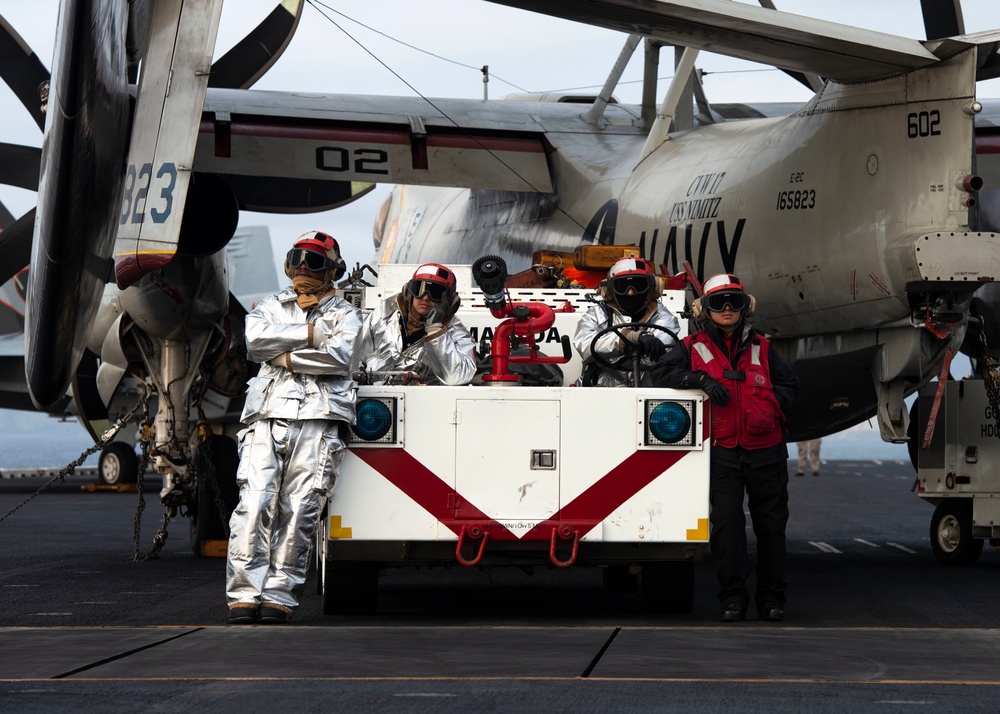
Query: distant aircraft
{"x": 860, "y": 221}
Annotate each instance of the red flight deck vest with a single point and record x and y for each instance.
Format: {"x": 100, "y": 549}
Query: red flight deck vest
{"x": 752, "y": 418}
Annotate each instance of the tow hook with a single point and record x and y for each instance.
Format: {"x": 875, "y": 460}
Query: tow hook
{"x": 564, "y": 532}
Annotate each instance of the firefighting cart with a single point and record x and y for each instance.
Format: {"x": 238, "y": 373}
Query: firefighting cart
{"x": 958, "y": 466}
{"x": 502, "y": 473}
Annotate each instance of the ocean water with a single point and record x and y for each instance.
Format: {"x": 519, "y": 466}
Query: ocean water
{"x": 33, "y": 440}
{"x": 30, "y": 440}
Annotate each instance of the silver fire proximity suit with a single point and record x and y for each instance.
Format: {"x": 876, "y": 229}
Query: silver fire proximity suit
{"x": 298, "y": 411}
{"x": 442, "y": 357}
{"x": 603, "y": 315}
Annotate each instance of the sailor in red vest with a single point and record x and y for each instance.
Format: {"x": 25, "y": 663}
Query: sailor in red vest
{"x": 750, "y": 387}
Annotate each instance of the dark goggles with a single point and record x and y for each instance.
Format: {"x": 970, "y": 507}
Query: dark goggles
{"x": 638, "y": 283}
{"x": 313, "y": 260}
{"x": 419, "y": 288}
{"x": 735, "y": 301}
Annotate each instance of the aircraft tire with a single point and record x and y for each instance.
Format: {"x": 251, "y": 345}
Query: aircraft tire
{"x": 350, "y": 587}
{"x": 207, "y": 523}
{"x": 667, "y": 586}
{"x": 951, "y": 533}
{"x": 118, "y": 464}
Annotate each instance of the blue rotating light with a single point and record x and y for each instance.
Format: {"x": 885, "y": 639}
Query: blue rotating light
{"x": 374, "y": 419}
{"x": 669, "y": 422}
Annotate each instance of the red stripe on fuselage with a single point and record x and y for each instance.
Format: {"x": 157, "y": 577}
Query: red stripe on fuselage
{"x": 360, "y": 135}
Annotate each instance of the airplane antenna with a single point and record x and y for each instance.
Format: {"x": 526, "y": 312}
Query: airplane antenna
{"x": 596, "y": 112}
{"x": 317, "y": 4}
{"x": 486, "y": 82}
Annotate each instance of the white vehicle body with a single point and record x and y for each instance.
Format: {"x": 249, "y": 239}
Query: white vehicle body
{"x": 520, "y": 475}
{"x": 959, "y": 471}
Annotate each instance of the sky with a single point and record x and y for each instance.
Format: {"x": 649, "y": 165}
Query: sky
{"x": 436, "y": 48}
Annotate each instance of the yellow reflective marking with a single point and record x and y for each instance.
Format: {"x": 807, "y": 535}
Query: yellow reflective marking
{"x": 214, "y": 548}
{"x": 336, "y": 531}
{"x": 699, "y": 533}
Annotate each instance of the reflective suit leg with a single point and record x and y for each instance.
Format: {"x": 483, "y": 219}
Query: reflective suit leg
{"x": 311, "y": 470}
{"x": 262, "y": 449}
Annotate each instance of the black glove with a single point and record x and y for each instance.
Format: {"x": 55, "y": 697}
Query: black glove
{"x": 433, "y": 320}
{"x": 716, "y": 392}
{"x": 653, "y": 347}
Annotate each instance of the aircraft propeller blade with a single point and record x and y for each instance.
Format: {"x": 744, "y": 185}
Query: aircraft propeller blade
{"x": 247, "y": 62}
{"x": 6, "y": 218}
{"x": 19, "y": 166}
{"x": 15, "y": 246}
{"x": 23, "y": 72}
{"x": 942, "y": 18}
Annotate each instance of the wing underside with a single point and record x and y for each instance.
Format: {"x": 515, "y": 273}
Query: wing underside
{"x": 790, "y": 42}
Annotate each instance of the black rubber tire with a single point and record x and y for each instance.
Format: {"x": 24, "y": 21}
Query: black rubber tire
{"x": 118, "y": 464}
{"x": 951, "y": 533}
{"x": 206, "y": 521}
{"x": 667, "y": 586}
{"x": 350, "y": 587}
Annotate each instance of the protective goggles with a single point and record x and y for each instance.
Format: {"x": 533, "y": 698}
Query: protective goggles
{"x": 313, "y": 260}
{"x": 638, "y": 283}
{"x": 419, "y": 288}
{"x": 735, "y": 301}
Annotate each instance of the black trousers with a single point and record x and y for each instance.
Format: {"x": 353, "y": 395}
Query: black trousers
{"x": 767, "y": 488}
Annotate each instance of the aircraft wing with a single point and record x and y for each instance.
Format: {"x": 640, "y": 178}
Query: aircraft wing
{"x": 302, "y": 141}
{"x": 790, "y": 42}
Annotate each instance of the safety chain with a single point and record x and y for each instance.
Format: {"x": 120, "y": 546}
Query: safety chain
{"x": 160, "y": 538}
{"x": 991, "y": 380}
{"x": 70, "y": 468}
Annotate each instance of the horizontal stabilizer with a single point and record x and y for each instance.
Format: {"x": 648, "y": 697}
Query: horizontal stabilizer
{"x": 790, "y": 42}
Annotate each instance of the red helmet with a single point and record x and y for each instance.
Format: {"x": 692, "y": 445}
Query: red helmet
{"x": 726, "y": 290}
{"x": 723, "y": 281}
{"x": 315, "y": 243}
{"x": 631, "y": 284}
{"x": 434, "y": 279}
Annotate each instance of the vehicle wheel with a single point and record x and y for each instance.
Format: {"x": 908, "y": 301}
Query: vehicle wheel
{"x": 118, "y": 464}
{"x": 617, "y": 579}
{"x": 207, "y": 523}
{"x": 350, "y": 587}
{"x": 667, "y": 586}
{"x": 951, "y": 533}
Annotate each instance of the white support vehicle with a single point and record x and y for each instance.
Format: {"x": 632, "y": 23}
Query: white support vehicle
{"x": 552, "y": 476}
{"x": 959, "y": 471}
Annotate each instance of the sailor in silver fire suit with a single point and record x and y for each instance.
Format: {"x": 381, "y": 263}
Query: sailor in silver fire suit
{"x": 631, "y": 294}
{"x": 415, "y": 335}
{"x": 298, "y": 413}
